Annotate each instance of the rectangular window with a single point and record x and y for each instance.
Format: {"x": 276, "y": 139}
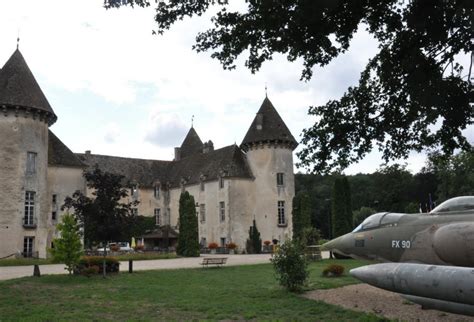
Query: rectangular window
{"x": 221, "y": 182}
{"x": 28, "y": 243}
{"x": 156, "y": 192}
{"x": 54, "y": 215}
{"x": 202, "y": 186}
{"x": 203, "y": 242}
{"x": 223, "y": 241}
{"x": 280, "y": 179}
{"x": 168, "y": 216}
{"x": 158, "y": 216}
{"x": 29, "y": 216}
{"x": 134, "y": 211}
{"x": 202, "y": 212}
{"x": 55, "y": 200}
{"x": 222, "y": 210}
{"x": 31, "y": 162}
{"x": 281, "y": 213}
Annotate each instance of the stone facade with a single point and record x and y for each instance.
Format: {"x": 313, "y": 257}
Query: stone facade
{"x": 232, "y": 186}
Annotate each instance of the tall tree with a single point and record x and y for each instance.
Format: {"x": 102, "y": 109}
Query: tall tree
{"x": 254, "y": 243}
{"x": 188, "y": 238}
{"x": 103, "y": 217}
{"x": 341, "y": 204}
{"x": 301, "y": 214}
{"x": 67, "y": 247}
{"x": 417, "y": 78}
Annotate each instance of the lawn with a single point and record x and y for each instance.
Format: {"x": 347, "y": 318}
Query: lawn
{"x": 124, "y": 257}
{"x": 231, "y": 293}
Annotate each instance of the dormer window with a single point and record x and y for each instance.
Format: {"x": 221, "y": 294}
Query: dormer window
{"x": 156, "y": 191}
{"x": 202, "y": 184}
{"x": 221, "y": 182}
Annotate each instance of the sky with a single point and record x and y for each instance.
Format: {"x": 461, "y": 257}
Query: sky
{"x": 119, "y": 90}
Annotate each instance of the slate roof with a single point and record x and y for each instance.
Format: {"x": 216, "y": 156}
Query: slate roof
{"x": 192, "y": 144}
{"x": 141, "y": 171}
{"x": 60, "y": 155}
{"x": 18, "y": 86}
{"x": 229, "y": 161}
{"x": 273, "y": 128}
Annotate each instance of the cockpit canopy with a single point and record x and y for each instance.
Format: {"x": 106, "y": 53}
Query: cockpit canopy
{"x": 455, "y": 204}
{"x": 378, "y": 220}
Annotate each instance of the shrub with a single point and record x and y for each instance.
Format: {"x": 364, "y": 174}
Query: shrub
{"x": 254, "y": 243}
{"x": 111, "y": 264}
{"x": 333, "y": 270}
{"x": 291, "y": 266}
{"x": 213, "y": 245}
{"x": 267, "y": 243}
{"x": 231, "y": 245}
{"x": 91, "y": 270}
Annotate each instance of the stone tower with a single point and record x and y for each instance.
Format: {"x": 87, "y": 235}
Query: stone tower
{"x": 24, "y": 121}
{"x": 269, "y": 146}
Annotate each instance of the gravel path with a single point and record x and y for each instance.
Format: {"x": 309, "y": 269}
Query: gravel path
{"x": 366, "y": 298}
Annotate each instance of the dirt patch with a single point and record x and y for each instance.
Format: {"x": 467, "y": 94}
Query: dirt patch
{"x": 366, "y": 298}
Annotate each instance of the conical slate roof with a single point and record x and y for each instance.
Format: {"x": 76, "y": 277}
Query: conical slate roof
{"x": 192, "y": 144}
{"x": 18, "y": 87}
{"x": 268, "y": 127}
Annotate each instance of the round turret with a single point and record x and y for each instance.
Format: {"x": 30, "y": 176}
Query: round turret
{"x": 24, "y": 120}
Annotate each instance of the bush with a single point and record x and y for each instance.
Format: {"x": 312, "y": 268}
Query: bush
{"x": 91, "y": 270}
{"x": 333, "y": 270}
{"x": 86, "y": 262}
{"x": 291, "y": 266}
{"x": 213, "y": 245}
{"x": 114, "y": 248}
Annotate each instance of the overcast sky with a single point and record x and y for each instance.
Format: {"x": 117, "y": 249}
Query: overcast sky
{"x": 119, "y": 90}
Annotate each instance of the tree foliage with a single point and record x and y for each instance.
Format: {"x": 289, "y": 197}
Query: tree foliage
{"x": 291, "y": 266}
{"x": 360, "y": 214}
{"x": 254, "y": 243}
{"x": 188, "y": 239}
{"x": 104, "y": 217}
{"x": 341, "y": 207}
{"x": 414, "y": 94}
{"x": 68, "y": 247}
{"x": 301, "y": 214}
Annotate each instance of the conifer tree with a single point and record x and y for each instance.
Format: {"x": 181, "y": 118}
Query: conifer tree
{"x": 341, "y": 208}
{"x": 254, "y": 243}
{"x": 301, "y": 214}
{"x": 188, "y": 239}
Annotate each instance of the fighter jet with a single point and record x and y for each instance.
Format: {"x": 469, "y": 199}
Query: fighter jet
{"x": 445, "y": 236}
{"x": 435, "y": 252}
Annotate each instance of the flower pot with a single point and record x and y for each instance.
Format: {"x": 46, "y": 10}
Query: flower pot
{"x": 213, "y": 251}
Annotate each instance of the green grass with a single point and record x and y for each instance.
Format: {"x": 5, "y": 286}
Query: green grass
{"x": 124, "y": 257}
{"x": 231, "y": 293}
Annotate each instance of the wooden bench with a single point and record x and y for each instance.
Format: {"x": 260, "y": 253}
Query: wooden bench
{"x": 218, "y": 261}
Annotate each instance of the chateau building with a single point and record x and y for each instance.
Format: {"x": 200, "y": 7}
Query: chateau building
{"x": 232, "y": 186}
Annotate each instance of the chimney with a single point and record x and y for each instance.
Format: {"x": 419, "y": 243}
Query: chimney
{"x": 259, "y": 121}
{"x": 88, "y": 153}
{"x": 177, "y": 154}
{"x": 208, "y": 147}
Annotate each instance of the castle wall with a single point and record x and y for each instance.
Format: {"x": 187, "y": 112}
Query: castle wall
{"x": 62, "y": 182}
{"x": 19, "y": 135}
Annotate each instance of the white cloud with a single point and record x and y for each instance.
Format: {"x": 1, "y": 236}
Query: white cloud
{"x": 165, "y": 130}
{"x": 112, "y": 133}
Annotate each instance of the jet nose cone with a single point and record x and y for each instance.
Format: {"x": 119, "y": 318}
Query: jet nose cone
{"x": 339, "y": 245}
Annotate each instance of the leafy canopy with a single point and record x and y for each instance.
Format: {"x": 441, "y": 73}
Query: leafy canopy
{"x": 104, "y": 217}
{"x": 414, "y": 94}
{"x": 68, "y": 247}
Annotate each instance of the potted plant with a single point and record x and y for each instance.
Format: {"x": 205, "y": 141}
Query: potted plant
{"x": 231, "y": 246}
{"x": 213, "y": 246}
{"x": 266, "y": 244}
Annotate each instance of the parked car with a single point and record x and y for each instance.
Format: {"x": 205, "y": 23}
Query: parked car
{"x": 124, "y": 247}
